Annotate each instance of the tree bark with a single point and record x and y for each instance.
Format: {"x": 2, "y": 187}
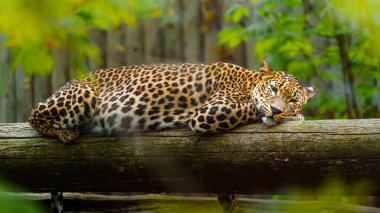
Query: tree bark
{"x": 349, "y": 85}
{"x": 191, "y": 31}
{"x": 250, "y": 159}
{"x": 210, "y": 26}
{"x": 32, "y": 100}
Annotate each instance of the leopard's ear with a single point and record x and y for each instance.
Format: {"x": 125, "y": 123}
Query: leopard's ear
{"x": 310, "y": 91}
{"x": 264, "y": 67}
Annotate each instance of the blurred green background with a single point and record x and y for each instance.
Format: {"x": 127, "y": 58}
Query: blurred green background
{"x": 332, "y": 45}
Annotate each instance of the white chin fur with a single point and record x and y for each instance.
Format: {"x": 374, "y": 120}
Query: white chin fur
{"x": 269, "y": 121}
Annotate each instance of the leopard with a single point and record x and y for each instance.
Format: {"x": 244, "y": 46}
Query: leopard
{"x": 207, "y": 98}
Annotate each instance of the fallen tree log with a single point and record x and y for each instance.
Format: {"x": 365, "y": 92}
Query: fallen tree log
{"x": 174, "y": 203}
{"x": 250, "y": 159}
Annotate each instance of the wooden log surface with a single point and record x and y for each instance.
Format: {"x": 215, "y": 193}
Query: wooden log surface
{"x": 250, "y": 159}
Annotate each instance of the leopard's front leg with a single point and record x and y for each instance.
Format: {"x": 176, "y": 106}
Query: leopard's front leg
{"x": 221, "y": 114}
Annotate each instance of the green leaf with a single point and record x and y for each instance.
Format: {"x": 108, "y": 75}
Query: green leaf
{"x": 233, "y": 36}
{"x": 326, "y": 10}
{"x": 263, "y": 47}
{"x": 236, "y": 13}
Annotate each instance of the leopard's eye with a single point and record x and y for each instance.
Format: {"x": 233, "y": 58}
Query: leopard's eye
{"x": 274, "y": 89}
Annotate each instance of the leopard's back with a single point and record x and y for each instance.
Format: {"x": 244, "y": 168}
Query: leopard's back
{"x": 150, "y": 97}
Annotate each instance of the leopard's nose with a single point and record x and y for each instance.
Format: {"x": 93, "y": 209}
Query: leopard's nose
{"x": 275, "y": 110}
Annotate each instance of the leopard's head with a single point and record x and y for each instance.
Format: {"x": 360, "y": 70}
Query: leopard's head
{"x": 40, "y": 119}
{"x": 45, "y": 119}
{"x": 279, "y": 95}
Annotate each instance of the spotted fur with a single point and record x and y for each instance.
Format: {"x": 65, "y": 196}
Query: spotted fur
{"x": 208, "y": 98}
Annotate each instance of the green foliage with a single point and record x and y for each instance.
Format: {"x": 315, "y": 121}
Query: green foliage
{"x": 34, "y": 28}
{"x": 332, "y": 191}
{"x": 11, "y": 204}
{"x": 305, "y": 43}
{"x": 331, "y": 196}
{"x": 235, "y": 34}
{"x": 236, "y": 13}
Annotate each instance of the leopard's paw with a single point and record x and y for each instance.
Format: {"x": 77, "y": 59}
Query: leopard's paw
{"x": 68, "y": 135}
{"x": 298, "y": 117}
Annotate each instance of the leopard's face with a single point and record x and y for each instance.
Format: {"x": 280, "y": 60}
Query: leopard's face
{"x": 60, "y": 114}
{"x": 280, "y": 95}
{"x": 42, "y": 122}
{"x": 38, "y": 120}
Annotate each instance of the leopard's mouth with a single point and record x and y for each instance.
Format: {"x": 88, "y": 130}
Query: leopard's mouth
{"x": 260, "y": 112}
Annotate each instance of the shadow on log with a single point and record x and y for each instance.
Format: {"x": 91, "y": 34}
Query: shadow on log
{"x": 250, "y": 159}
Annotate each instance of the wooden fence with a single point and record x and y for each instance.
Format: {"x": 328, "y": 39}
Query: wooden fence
{"x": 187, "y": 34}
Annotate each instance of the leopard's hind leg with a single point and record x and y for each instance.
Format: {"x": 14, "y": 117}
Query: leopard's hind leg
{"x": 63, "y": 113}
